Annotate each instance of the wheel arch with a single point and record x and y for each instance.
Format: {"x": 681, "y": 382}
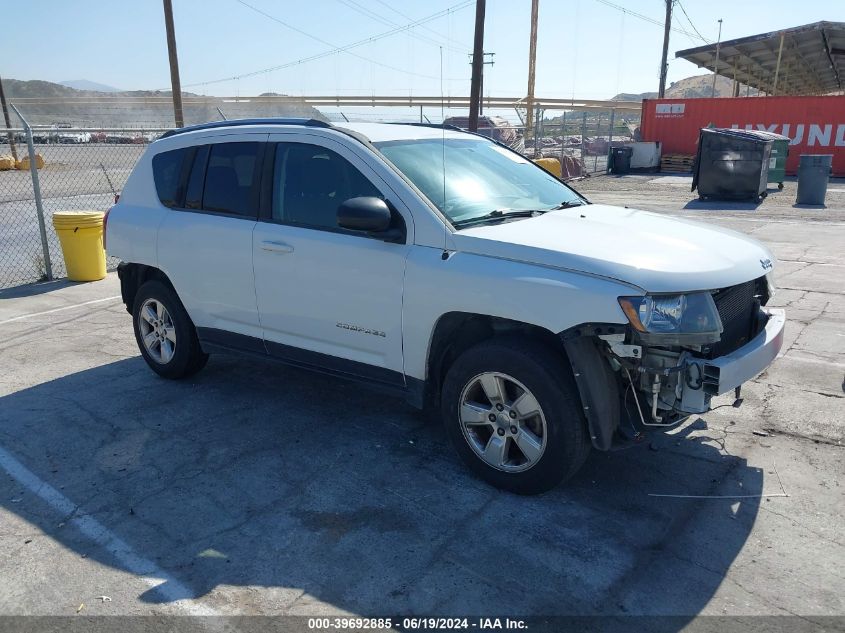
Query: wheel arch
{"x": 456, "y": 332}
{"x": 597, "y": 384}
{"x": 132, "y": 276}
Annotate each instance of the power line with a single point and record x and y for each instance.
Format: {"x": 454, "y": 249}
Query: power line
{"x": 355, "y": 6}
{"x": 686, "y": 15}
{"x": 647, "y": 18}
{"x": 445, "y": 38}
{"x": 334, "y": 49}
{"x": 345, "y": 49}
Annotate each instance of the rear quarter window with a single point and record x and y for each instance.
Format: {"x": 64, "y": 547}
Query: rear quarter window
{"x": 167, "y": 173}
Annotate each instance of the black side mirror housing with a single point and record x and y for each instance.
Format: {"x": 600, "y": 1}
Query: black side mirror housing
{"x": 371, "y": 215}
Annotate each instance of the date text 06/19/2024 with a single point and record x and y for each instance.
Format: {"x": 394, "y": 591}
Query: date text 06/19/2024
{"x": 416, "y": 624}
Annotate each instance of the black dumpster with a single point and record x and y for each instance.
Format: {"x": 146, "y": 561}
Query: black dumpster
{"x": 620, "y": 159}
{"x": 731, "y": 164}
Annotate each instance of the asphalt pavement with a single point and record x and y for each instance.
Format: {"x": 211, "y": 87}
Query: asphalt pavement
{"x": 253, "y": 488}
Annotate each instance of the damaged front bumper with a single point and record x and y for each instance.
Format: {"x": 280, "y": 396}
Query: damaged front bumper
{"x": 728, "y": 372}
{"x": 627, "y": 387}
{"x": 669, "y": 384}
{"x": 688, "y": 386}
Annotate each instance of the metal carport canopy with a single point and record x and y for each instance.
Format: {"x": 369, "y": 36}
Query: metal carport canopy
{"x": 803, "y": 60}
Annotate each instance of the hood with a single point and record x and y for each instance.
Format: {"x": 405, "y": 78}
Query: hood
{"x": 655, "y": 252}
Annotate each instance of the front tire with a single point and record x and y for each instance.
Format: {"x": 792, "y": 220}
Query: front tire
{"x": 165, "y": 333}
{"x": 512, "y": 412}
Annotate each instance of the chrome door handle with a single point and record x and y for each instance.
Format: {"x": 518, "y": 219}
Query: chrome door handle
{"x": 276, "y": 247}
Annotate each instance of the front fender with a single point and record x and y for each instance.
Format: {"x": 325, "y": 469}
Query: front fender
{"x": 552, "y": 299}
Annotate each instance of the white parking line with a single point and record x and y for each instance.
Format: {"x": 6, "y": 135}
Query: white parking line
{"x": 76, "y": 305}
{"x": 170, "y": 589}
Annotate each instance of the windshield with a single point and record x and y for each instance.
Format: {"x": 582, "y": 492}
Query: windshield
{"x": 480, "y": 177}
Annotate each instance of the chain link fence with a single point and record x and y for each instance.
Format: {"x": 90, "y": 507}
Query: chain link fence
{"x": 85, "y": 165}
{"x": 581, "y": 140}
{"x": 77, "y": 169}
{"x": 21, "y": 252}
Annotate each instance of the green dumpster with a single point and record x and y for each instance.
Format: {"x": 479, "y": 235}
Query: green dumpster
{"x": 777, "y": 161}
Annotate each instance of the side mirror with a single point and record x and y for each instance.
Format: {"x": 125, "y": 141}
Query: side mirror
{"x": 368, "y": 214}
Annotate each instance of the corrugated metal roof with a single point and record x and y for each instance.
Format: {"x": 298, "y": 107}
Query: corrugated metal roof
{"x": 803, "y": 60}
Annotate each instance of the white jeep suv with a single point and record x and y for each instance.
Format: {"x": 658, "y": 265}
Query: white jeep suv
{"x": 442, "y": 266}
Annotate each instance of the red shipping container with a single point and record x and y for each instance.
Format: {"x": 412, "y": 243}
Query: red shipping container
{"x": 816, "y": 125}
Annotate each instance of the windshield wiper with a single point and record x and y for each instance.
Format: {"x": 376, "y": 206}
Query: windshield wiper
{"x": 499, "y": 214}
{"x": 568, "y": 204}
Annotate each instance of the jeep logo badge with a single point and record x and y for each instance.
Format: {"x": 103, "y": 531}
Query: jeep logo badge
{"x": 766, "y": 264}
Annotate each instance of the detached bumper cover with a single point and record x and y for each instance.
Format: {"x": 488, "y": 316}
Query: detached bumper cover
{"x": 727, "y": 372}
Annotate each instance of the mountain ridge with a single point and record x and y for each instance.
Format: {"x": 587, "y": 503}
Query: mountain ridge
{"x": 695, "y": 87}
{"x": 54, "y": 103}
{"x": 87, "y": 84}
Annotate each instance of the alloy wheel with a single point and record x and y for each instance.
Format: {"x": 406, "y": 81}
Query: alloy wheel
{"x": 158, "y": 332}
{"x": 503, "y": 422}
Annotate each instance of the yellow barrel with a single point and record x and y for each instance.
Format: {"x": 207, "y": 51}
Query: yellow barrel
{"x": 81, "y": 236}
{"x": 551, "y": 165}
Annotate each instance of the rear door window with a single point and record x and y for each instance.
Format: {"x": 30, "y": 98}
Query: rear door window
{"x": 231, "y": 179}
{"x": 167, "y": 173}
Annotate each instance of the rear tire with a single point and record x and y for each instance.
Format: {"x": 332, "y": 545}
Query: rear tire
{"x": 530, "y": 437}
{"x": 165, "y": 333}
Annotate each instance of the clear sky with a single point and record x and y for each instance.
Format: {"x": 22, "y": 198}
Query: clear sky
{"x": 585, "y": 48}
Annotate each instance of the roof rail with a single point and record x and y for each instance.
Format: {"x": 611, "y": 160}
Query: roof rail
{"x": 238, "y": 122}
{"x": 439, "y": 126}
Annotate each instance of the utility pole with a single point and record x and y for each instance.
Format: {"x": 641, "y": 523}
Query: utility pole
{"x": 492, "y": 62}
{"x": 664, "y": 66}
{"x": 8, "y": 122}
{"x": 174, "y": 64}
{"x": 532, "y": 59}
{"x": 477, "y": 65}
{"x": 716, "y": 64}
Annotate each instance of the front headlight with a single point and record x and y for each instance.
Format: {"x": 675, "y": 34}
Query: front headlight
{"x": 674, "y": 319}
